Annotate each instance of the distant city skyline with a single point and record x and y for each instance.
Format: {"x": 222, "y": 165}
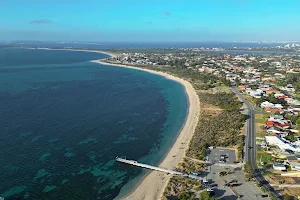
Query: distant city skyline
{"x": 150, "y": 21}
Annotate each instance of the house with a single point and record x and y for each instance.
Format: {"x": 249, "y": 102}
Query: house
{"x": 266, "y": 104}
{"x": 278, "y": 75}
{"x": 280, "y": 96}
{"x": 274, "y": 140}
{"x": 295, "y": 166}
{"x": 276, "y": 117}
{"x": 277, "y": 131}
{"x": 279, "y": 166}
{"x": 278, "y": 123}
{"x": 243, "y": 87}
{"x": 274, "y": 110}
{"x": 294, "y": 108}
{"x": 292, "y": 101}
{"x": 281, "y": 143}
{"x": 293, "y": 158}
{"x": 265, "y": 87}
{"x": 255, "y": 93}
{"x": 272, "y": 91}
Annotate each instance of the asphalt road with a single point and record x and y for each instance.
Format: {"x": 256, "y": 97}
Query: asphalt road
{"x": 250, "y": 151}
{"x": 250, "y": 143}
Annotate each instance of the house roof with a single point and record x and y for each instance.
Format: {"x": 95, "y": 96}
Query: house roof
{"x": 290, "y": 158}
{"x": 295, "y": 164}
{"x": 276, "y": 164}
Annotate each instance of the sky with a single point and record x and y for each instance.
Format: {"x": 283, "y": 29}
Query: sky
{"x": 150, "y": 20}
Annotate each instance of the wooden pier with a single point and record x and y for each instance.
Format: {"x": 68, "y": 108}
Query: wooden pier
{"x": 135, "y": 163}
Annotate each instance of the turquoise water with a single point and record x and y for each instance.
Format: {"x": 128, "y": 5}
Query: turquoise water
{"x": 64, "y": 120}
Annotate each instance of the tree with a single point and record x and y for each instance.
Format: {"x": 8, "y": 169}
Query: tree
{"x": 237, "y": 82}
{"x": 298, "y": 121}
{"x": 185, "y": 196}
{"x": 248, "y": 170}
{"x": 287, "y": 197}
{"x": 205, "y": 195}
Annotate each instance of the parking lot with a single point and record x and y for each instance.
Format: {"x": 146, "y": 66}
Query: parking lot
{"x": 246, "y": 190}
{"x": 214, "y": 155}
{"x": 234, "y": 174}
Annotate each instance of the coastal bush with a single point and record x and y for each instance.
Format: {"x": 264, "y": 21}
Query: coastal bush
{"x": 200, "y": 80}
{"x": 185, "y": 196}
{"x": 222, "y": 129}
{"x": 205, "y": 195}
{"x": 178, "y": 185}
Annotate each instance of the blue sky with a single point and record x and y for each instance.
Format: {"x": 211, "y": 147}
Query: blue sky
{"x": 145, "y": 20}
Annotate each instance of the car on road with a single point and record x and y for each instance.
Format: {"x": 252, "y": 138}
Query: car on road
{"x": 264, "y": 195}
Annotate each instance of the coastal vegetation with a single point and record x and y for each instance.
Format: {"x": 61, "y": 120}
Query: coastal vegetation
{"x": 248, "y": 171}
{"x": 180, "y": 186}
{"x": 205, "y": 195}
{"x": 218, "y": 129}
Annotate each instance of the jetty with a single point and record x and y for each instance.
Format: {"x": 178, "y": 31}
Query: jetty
{"x": 135, "y": 163}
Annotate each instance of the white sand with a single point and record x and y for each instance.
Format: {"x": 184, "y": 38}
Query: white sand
{"x": 153, "y": 185}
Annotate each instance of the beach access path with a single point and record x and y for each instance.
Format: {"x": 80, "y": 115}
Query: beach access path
{"x": 153, "y": 185}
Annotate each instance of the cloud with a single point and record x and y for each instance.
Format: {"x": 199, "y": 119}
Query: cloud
{"x": 166, "y": 13}
{"x": 41, "y": 21}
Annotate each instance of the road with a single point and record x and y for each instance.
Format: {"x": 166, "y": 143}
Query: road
{"x": 250, "y": 144}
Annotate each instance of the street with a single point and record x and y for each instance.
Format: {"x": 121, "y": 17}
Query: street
{"x": 250, "y": 146}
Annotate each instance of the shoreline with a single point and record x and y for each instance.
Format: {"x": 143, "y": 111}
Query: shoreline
{"x": 153, "y": 185}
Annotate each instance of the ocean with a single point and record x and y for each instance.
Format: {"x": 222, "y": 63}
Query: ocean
{"x": 63, "y": 120}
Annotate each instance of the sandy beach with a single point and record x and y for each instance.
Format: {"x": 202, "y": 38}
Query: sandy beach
{"x": 153, "y": 185}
